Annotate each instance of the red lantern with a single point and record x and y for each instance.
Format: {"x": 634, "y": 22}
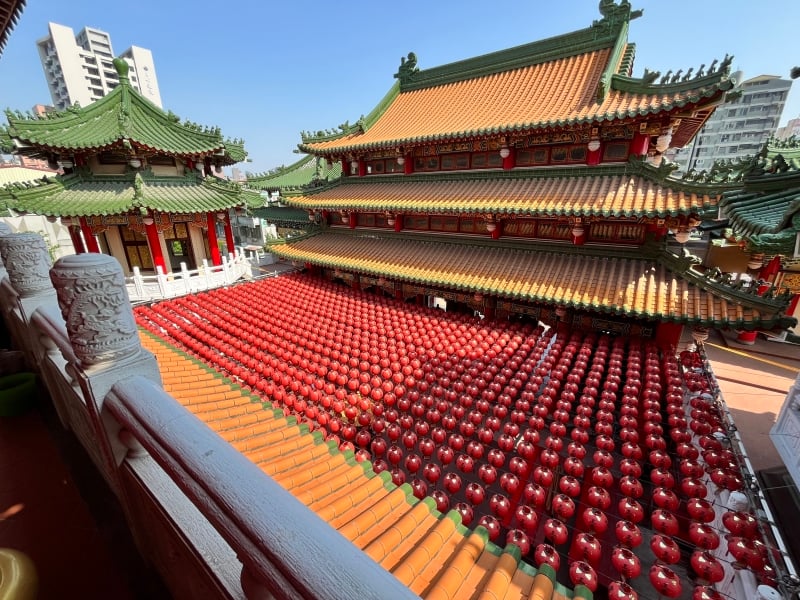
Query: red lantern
{"x": 664, "y": 522}
{"x": 630, "y": 486}
{"x": 625, "y": 562}
{"x": 545, "y": 554}
{"x": 595, "y": 520}
{"x": 703, "y": 536}
{"x": 569, "y": 485}
{"x": 665, "y": 581}
{"x": 581, "y": 573}
{"x": 492, "y": 526}
{"x": 556, "y": 531}
{"x": 619, "y": 590}
{"x": 693, "y": 488}
{"x": 704, "y": 592}
{"x": 630, "y": 510}
{"x": 700, "y": 510}
{"x": 665, "y": 549}
{"x": 587, "y": 547}
{"x": 706, "y": 566}
{"x": 666, "y": 499}
{"x": 598, "y": 497}
{"x": 628, "y": 534}
{"x": 563, "y": 507}
{"x": 527, "y": 518}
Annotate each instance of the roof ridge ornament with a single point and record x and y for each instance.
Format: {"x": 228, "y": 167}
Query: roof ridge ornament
{"x": 614, "y": 14}
{"x": 408, "y": 66}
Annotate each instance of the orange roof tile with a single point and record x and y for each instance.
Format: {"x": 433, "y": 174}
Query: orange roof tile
{"x": 618, "y": 285}
{"x": 610, "y": 191}
{"x": 577, "y": 78}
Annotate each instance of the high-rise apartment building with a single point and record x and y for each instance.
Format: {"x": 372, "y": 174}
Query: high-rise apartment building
{"x": 80, "y": 69}
{"x": 740, "y": 127}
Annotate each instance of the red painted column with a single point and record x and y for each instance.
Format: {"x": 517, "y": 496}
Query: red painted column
{"x": 77, "y": 241}
{"x": 353, "y": 220}
{"x": 213, "y": 245}
{"x": 398, "y": 222}
{"x": 668, "y": 335}
{"x": 88, "y": 236}
{"x": 639, "y": 145}
{"x": 408, "y": 166}
{"x": 510, "y": 161}
{"x": 362, "y": 168}
{"x": 593, "y": 156}
{"x": 155, "y": 246}
{"x": 345, "y": 168}
{"x": 229, "y": 234}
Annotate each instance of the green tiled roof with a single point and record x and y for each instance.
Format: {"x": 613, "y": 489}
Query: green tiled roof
{"x": 81, "y": 194}
{"x": 298, "y": 175}
{"x": 765, "y": 210}
{"x": 122, "y": 119}
{"x": 282, "y": 215}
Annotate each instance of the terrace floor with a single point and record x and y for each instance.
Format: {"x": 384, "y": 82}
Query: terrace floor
{"x": 55, "y": 507}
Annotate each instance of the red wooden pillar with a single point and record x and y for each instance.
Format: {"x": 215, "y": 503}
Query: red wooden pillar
{"x": 640, "y": 145}
{"x": 155, "y": 246}
{"x": 213, "y": 245}
{"x": 510, "y": 160}
{"x": 668, "y": 335}
{"x": 88, "y": 236}
{"x": 229, "y": 234}
{"x": 345, "y": 167}
{"x": 77, "y": 241}
{"x": 408, "y": 166}
{"x": 362, "y": 167}
{"x": 593, "y": 156}
{"x": 353, "y": 220}
{"x": 398, "y": 222}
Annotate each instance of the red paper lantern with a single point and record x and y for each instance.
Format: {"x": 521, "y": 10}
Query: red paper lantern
{"x": 706, "y": 566}
{"x": 595, "y": 520}
{"x": 619, "y": 590}
{"x": 700, "y": 510}
{"x": 703, "y": 536}
{"x": 563, "y": 507}
{"x": 581, "y": 573}
{"x": 625, "y": 562}
{"x": 545, "y": 554}
{"x": 704, "y": 592}
{"x": 665, "y": 581}
{"x": 665, "y": 522}
{"x": 665, "y": 549}
{"x": 628, "y": 533}
{"x": 556, "y": 531}
{"x": 587, "y": 548}
{"x": 630, "y": 510}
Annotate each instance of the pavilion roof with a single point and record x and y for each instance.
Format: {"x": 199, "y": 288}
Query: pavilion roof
{"x": 10, "y": 12}
{"x": 123, "y": 119}
{"x": 83, "y": 194}
{"x": 623, "y": 283}
{"x": 765, "y": 208}
{"x": 306, "y": 171}
{"x": 566, "y": 81}
{"x": 633, "y": 189}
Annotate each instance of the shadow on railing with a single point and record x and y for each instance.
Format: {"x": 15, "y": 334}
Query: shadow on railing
{"x": 244, "y": 264}
{"x": 211, "y": 522}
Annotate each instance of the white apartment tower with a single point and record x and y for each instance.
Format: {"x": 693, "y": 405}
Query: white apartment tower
{"x": 738, "y": 128}
{"x": 80, "y": 69}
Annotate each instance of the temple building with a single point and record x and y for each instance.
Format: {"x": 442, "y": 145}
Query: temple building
{"x": 469, "y": 184}
{"x": 137, "y": 184}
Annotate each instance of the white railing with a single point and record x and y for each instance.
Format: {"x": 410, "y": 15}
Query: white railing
{"x": 211, "y": 522}
{"x": 241, "y": 265}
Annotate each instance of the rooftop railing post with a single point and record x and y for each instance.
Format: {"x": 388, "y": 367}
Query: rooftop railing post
{"x": 103, "y": 334}
{"x": 162, "y": 281}
{"x": 27, "y": 264}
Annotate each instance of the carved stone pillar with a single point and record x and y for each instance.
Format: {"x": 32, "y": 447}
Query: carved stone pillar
{"x": 5, "y": 229}
{"x": 27, "y": 263}
{"x": 95, "y": 306}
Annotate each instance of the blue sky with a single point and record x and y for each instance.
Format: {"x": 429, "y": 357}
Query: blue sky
{"x": 266, "y": 71}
